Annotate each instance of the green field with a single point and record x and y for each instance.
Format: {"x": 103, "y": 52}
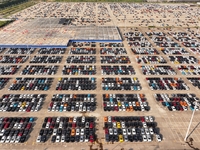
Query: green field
{"x": 4, "y": 23}
{"x": 15, "y": 8}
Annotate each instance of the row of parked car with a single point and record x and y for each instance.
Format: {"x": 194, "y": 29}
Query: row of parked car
{"x": 82, "y": 44}
{"x": 130, "y": 129}
{"x": 144, "y": 51}
{"x": 195, "y": 50}
{"x": 81, "y": 59}
{"x": 51, "y": 51}
{"x": 174, "y": 51}
{"x": 9, "y": 70}
{"x": 187, "y": 40}
{"x": 120, "y": 84}
{"x": 39, "y": 70}
{"x": 76, "y": 84}
{"x": 6, "y": 59}
{"x": 195, "y": 82}
{"x": 2, "y": 49}
{"x": 73, "y": 102}
{"x": 125, "y": 102}
{"x": 79, "y": 70}
{"x": 21, "y": 102}
{"x": 111, "y": 44}
{"x": 68, "y": 129}
{"x": 158, "y": 70}
{"x": 20, "y": 51}
{"x": 155, "y": 33}
{"x": 117, "y": 70}
{"x": 82, "y": 51}
{"x": 115, "y": 60}
{"x": 150, "y": 60}
{"x": 31, "y": 84}
{"x": 189, "y": 70}
{"x": 46, "y": 59}
{"x": 167, "y": 84}
{"x": 178, "y": 102}
{"x": 183, "y": 59}
{"x": 113, "y": 51}
{"x": 15, "y": 129}
{"x": 3, "y": 82}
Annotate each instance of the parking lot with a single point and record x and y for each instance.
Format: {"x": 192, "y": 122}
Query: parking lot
{"x": 101, "y": 95}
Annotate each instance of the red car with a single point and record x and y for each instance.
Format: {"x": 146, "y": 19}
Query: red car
{"x": 106, "y": 130}
{"x": 49, "y": 119}
{"x": 91, "y": 125}
{"x": 91, "y": 138}
{"x": 28, "y": 125}
{"x": 142, "y": 119}
{"x": 73, "y": 125}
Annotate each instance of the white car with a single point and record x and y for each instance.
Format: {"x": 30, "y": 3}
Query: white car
{"x": 146, "y": 118}
{"x": 17, "y": 139}
{"x": 77, "y": 131}
{"x": 125, "y": 138}
{"x": 123, "y": 124}
{"x": 151, "y": 131}
{"x": 2, "y": 132}
{"x": 109, "y": 119}
{"x": 3, "y": 139}
{"x": 144, "y": 124}
{"x": 58, "y": 120}
{"x": 158, "y": 138}
{"x": 114, "y": 125}
{"x": 151, "y": 119}
{"x": 8, "y": 139}
{"x": 54, "y": 131}
{"x": 173, "y": 108}
{"x": 147, "y": 131}
{"x": 83, "y": 119}
{"x": 144, "y": 138}
{"x": 13, "y": 139}
{"x": 133, "y": 131}
{"x": 115, "y": 131}
{"x": 149, "y": 138}
{"x": 82, "y": 131}
{"x": 57, "y": 138}
{"x": 63, "y": 138}
{"x": 128, "y": 131}
{"x": 82, "y": 138}
{"x": 38, "y": 140}
{"x": 124, "y": 131}
{"x": 110, "y": 131}
{"x": 74, "y": 119}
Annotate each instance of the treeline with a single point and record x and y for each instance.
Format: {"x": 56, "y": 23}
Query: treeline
{"x": 11, "y": 2}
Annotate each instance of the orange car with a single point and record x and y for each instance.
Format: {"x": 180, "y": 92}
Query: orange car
{"x": 105, "y": 119}
{"x": 137, "y": 104}
{"x": 71, "y": 119}
{"x": 72, "y": 132}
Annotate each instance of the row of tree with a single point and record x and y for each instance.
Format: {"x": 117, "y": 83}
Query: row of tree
{"x": 9, "y": 3}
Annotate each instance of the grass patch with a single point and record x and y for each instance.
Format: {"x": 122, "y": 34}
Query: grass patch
{"x": 15, "y": 8}
{"x": 98, "y": 1}
{"x": 4, "y": 23}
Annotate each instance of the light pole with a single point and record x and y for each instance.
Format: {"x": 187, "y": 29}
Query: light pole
{"x": 195, "y": 105}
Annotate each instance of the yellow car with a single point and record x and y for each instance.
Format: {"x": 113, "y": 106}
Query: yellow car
{"x": 118, "y": 125}
{"x": 119, "y": 104}
{"x": 121, "y": 139}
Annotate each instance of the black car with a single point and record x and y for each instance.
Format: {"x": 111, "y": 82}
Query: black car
{"x": 53, "y": 139}
{"x": 43, "y": 138}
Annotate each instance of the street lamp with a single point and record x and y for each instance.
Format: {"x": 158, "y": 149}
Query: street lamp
{"x": 195, "y": 105}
